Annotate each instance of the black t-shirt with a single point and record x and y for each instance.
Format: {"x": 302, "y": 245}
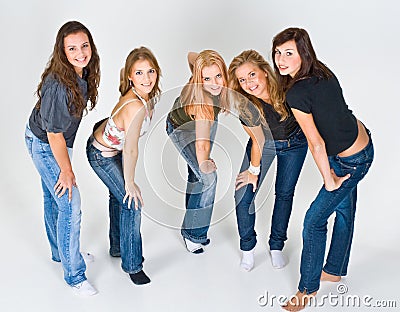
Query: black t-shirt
{"x": 323, "y": 98}
{"x": 54, "y": 114}
{"x": 280, "y": 130}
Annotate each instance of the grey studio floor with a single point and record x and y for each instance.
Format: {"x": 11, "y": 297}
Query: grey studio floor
{"x": 357, "y": 39}
{"x": 181, "y": 281}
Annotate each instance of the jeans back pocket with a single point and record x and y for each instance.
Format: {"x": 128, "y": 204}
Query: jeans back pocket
{"x": 28, "y": 141}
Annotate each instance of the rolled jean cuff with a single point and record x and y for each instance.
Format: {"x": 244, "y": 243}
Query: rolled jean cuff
{"x": 247, "y": 246}
{"x": 134, "y": 271}
{"x": 78, "y": 281}
{"x": 326, "y": 270}
{"x": 308, "y": 292}
{"x": 197, "y": 240}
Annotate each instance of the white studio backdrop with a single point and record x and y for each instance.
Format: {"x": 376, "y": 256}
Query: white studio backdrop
{"x": 358, "y": 40}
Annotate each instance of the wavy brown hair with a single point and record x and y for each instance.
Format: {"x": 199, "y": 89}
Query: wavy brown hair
{"x": 193, "y": 94}
{"x": 141, "y": 53}
{"x": 63, "y": 71}
{"x": 310, "y": 65}
{"x": 277, "y": 98}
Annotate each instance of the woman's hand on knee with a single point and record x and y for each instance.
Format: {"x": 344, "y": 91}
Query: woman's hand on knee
{"x": 245, "y": 178}
{"x": 208, "y": 166}
{"x": 65, "y": 182}
{"x": 133, "y": 192}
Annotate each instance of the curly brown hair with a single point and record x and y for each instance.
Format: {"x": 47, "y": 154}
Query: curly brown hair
{"x": 62, "y": 70}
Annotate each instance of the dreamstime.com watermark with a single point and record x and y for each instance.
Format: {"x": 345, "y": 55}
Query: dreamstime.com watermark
{"x": 339, "y": 299}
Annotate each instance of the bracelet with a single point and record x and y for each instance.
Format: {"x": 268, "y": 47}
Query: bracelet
{"x": 254, "y": 170}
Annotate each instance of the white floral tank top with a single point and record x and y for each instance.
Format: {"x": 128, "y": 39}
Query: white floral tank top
{"x": 115, "y": 136}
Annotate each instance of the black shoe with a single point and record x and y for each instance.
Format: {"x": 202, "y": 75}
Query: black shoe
{"x": 206, "y": 242}
{"x": 114, "y": 252}
{"x": 139, "y": 278}
{"x": 115, "y": 255}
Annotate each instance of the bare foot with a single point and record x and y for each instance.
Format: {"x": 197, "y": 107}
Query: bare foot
{"x": 298, "y": 301}
{"x": 329, "y": 277}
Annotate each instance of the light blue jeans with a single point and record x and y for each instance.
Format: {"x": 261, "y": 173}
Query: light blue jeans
{"x": 125, "y": 237}
{"x": 62, "y": 218}
{"x": 200, "y": 188}
{"x": 342, "y": 202}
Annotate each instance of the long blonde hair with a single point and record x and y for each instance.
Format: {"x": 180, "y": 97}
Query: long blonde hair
{"x": 276, "y": 96}
{"x": 193, "y": 96}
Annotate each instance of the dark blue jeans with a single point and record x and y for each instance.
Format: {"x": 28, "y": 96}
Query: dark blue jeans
{"x": 125, "y": 236}
{"x": 342, "y": 202}
{"x": 200, "y": 188}
{"x": 290, "y": 155}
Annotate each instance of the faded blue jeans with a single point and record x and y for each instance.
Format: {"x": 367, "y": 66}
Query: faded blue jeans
{"x": 200, "y": 188}
{"x": 342, "y": 202}
{"x": 290, "y": 155}
{"x": 125, "y": 236}
{"x": 62, "y": 218}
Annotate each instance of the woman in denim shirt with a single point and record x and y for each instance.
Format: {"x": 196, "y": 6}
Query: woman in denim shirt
{"x": 273, "y": 131}
{"x": 191, "y": 125}
{"x": 112, "y": 151}
{"x": 70, "y": 79}
{"x": 342, "y": 150}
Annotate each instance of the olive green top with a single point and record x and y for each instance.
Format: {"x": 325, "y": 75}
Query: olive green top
{"x": 179, "y": 118}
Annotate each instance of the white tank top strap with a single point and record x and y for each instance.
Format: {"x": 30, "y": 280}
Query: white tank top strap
{"x": 119, "y": 108}
{"x": 147, "y": 118}
{"x": 140, "y": 98}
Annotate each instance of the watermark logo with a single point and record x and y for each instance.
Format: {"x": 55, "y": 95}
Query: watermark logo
{"x": 341, "y": 298}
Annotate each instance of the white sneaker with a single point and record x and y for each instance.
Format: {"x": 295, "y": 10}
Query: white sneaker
{"x": 84, "y": 289}
{"x": 88, "y": 257}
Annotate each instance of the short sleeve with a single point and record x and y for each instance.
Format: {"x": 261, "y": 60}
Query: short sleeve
{"x": 250, "y": 116}
{"x": 54, "y": 107}
{"x": 298, "y": 97}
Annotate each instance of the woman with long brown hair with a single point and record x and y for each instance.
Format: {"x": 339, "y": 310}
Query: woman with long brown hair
{"x": 342, "y": 149}
{"x": 69, "y": 81}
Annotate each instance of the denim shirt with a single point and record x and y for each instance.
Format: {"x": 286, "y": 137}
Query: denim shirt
{"x": 54, "y": 115}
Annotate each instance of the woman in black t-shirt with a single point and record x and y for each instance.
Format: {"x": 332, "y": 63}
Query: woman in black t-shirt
{"x": 343, "y": 152}
{"x": 273, "y": 131}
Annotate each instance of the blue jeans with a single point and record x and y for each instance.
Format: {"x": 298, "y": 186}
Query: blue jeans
{"x": 200, "y": 188}
{"x": 290, "y": 155}
{"x": 342, "y": 202}
{"x": 124, "y": 233}
{"x": 61, "y": 217}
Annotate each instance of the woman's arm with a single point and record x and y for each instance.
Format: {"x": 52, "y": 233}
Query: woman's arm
{"x": 66, "y": 180}
{"x": 258, "y": 139}
{"x": 133, "y": 116}
{"x": 203, "y": 146}
{"x": 191, "y": 57}
{"x": 317, "y": 148}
